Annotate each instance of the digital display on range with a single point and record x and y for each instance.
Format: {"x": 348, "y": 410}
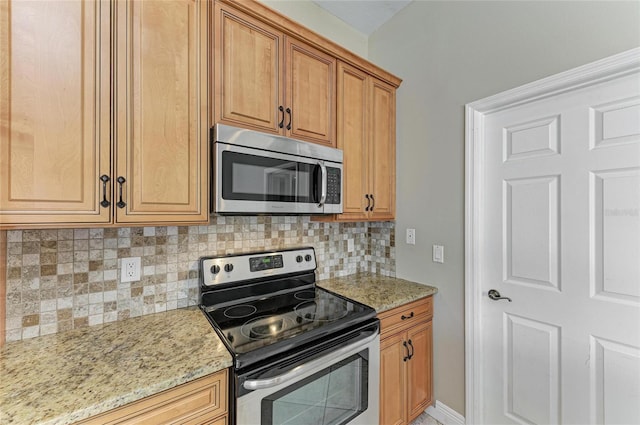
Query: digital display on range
{"x": 265, "y": 262}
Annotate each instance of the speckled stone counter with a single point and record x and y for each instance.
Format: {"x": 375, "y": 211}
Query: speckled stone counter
{"x": 65, "y": 377}
{"x": 380, "y": 292}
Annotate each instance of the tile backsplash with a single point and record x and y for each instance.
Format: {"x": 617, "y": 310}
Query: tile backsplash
{"x": 63, "y": 279}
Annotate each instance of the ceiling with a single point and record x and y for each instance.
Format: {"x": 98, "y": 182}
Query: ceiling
{"x": 364, "y": 15}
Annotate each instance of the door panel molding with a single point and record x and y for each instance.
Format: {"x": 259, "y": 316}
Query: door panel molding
{"x": 526, "y": 237}
{"x": 522, "y": 336}
{"x": 609, "y": 399}
{"x": 617, "y": 66}
{"x": 610, "y": 278}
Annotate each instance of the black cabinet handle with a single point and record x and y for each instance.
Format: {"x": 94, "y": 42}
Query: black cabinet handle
{"x": 411, "y": 345}
{"x": 290, "y": 118}
{"x": 407, "y": 357}
{"x": 368, "y": 202}
{"x": 373, "y": 202}
{"x": 120, "y": 203}
{"x": 104, "y": 179}
{"x": 403, "y": 317}
{"x": 281, "y": 109}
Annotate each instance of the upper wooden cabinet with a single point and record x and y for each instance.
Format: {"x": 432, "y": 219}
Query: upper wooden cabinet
{"x": 366, "y": 134}
{"x": 271, "y": 82}
{"x": 161, "y": 110}
{"x": 105, "y": 107}
{"x": 54, "y": 111}
{"x": 248, "y": 76}
{"x": 382, "y": 151}
{"x": 353, "y": 139}
{"x": 76, "y": 110}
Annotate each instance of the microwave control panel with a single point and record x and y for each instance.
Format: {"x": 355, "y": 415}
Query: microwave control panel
{"x": 334, "y": 185}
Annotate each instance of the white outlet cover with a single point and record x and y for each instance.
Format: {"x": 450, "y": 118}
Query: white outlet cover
{"x": 130, "y": 269}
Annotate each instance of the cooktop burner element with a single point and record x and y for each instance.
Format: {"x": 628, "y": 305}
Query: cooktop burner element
{"x": 310, "y": 310}
{"x": 240, "y": 311}
{"x": 266, "y": 304}
{"x": 305, "y": 295}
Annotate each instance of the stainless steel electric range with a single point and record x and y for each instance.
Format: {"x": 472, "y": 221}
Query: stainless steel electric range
{"x": 302, "y": 354}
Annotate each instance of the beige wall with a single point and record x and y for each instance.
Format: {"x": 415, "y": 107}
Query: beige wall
{"x": 451, "y": 53}
{"x": 319, "y": 20}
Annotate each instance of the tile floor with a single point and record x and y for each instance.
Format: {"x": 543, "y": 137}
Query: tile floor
{"x": 425, "y": 419}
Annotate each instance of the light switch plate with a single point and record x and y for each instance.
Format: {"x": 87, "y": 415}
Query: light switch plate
{"x": 438, "y": 254}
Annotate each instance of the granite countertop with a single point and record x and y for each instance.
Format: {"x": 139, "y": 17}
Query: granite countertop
{"x": 380, "y": 292}
{"x": 62, "y": 378}
{"x": 65, "y": 377}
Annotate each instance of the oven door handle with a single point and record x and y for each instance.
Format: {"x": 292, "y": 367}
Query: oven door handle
{"x": 260, "y": 384}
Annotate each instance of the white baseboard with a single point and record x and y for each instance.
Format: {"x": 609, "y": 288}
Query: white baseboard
{"x": 444, "y": 414}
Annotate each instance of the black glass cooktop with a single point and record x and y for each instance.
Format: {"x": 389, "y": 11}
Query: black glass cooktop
{"x": 258, "y": 327}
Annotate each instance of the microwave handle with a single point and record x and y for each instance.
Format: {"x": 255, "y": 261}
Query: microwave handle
{"x": 323, "y": 184}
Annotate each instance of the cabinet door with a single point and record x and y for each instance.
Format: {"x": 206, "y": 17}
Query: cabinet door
{"x": 419, "y": 369}
{"x": 382, "y": 151}
{"x": 199, "y": 402}
{"x": 162, "y": 129}
{"x": 352, "y": 113}
{"x": 54, "y": 111}
{"x": 248, "y": 72}
{"x": 311, "y": 88}
{"x": 393, "y": 380}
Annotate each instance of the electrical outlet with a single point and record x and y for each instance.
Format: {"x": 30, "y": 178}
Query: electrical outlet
{"x": 411, "y": 236}
{"x": 130, "y": 269}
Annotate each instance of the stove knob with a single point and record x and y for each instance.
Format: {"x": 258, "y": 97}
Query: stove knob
{"x": 215, "y": 269}
{"x": 299, "y": 259}
{"x": 307, "y": 257}
{"x": 228, "y": 267}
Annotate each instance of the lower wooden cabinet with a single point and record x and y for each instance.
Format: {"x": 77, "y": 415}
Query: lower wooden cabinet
{"x": 406, "y": 362}
{"x": 203, "y": 401}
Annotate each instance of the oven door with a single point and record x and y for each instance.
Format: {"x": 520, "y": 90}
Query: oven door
{"x": 255, "y": 181}
{"x": 338, "y": 386}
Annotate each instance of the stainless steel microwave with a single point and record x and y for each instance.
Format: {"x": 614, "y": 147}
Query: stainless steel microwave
{"x": 259, "y": 173}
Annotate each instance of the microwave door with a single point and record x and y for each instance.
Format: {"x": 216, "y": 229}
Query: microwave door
{"x": 281, "y": 181}
{"x": 254, "y": 181}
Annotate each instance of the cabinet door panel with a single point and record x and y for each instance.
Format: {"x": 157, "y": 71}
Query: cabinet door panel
{"x": 54, "y": 111}
{"x": 196, "y": 402}
{"x": 352, "y": 137}
{"x": 311, "y": 77}
{"x": 248, "y": 74}
{"x": 393, "y": 381}
{"x": 419, "y": 369}
{"x": 383, "y": 150}
{"x": 162, "y": 110}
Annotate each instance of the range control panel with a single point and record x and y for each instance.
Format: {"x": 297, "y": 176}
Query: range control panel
{"x": 266, "y": 262}
{"x": 237, "y": 268}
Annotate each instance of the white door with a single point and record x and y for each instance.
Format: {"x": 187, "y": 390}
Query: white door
{"x": 559, "y": 234}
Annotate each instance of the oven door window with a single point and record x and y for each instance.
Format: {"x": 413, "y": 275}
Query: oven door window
{"x": 258, "y": 178}
{"x": 333, "y": 396}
